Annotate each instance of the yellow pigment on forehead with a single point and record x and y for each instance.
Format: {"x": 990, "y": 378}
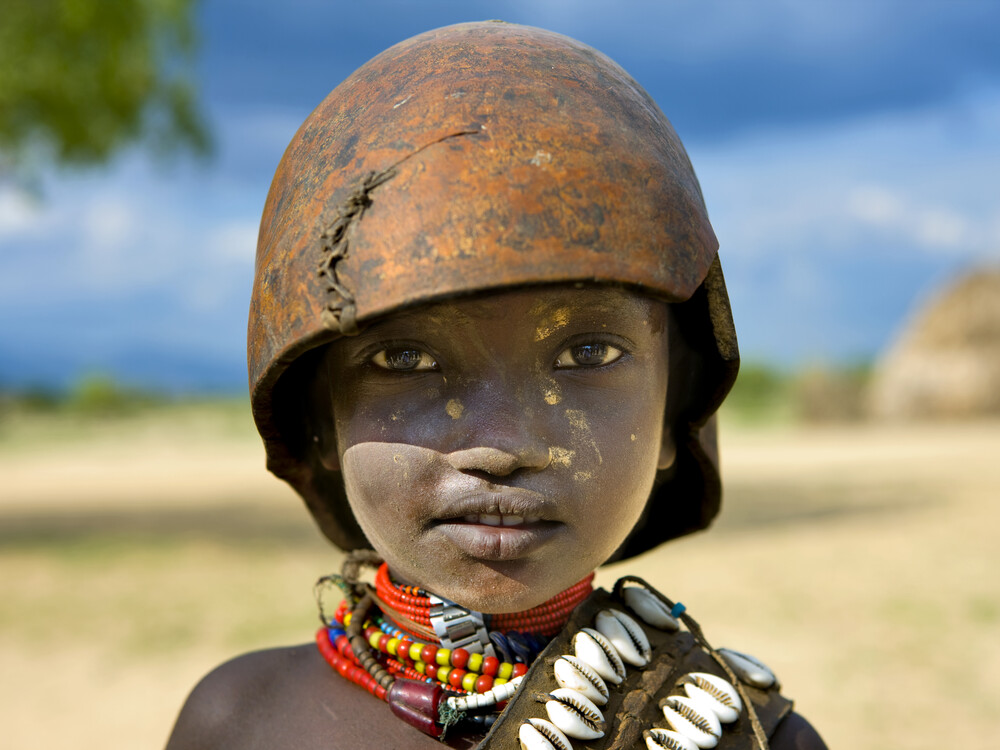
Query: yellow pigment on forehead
{"x": 552, "y": 322}
{"x": 454, "y": 408}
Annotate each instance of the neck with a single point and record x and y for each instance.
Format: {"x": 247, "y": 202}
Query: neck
{"x": 419, "y": 612}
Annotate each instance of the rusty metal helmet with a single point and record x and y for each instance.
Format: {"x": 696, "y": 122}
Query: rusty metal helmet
{"x": 473, "y": 158}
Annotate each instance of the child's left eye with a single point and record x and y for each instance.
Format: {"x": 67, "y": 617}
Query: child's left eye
{"x": 404, "y": 359}
{"x": 588, "y": 355}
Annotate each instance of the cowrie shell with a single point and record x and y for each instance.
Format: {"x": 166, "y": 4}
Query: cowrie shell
{"x": 625, "y": 635}
{"x": 664, "y": 739}
{"x": 715, "y": 692}
{"x": 693, "y": 719}
{"x": 539, "y": 734}
{"x": 650, "y": 609}
{"x": 597, "y": 652}
{"x": 574, "y": 714}
{"x": 574, "y": 674}
{"x": 749, "y": 669}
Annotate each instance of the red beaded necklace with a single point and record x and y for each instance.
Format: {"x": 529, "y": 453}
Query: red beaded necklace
{"x": 414, "y": 604}
{"x": 373, "y": 659}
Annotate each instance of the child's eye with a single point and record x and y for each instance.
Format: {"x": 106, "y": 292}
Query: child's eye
{"x": 588, "y": 355}
{"x": 404, "y": 359}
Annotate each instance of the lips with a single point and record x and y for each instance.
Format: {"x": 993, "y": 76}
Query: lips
{"x": 465, "y": 499}
{"x": 494, "y": 543}
{"x": 495, "y": 523}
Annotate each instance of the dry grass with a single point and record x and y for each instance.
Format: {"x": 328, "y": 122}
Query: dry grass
{"x": 859, "y": 562}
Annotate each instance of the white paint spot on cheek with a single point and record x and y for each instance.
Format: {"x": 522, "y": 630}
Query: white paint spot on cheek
{"x": 583, "y": 476}
{"x": 577, "y": 419}
{"x": 454, "y": 408}
{"x": 632, "y": 436}
{"x": 560, "y": 456}
{"x": 581, "y": 430}
{"x": 552, "y": 397}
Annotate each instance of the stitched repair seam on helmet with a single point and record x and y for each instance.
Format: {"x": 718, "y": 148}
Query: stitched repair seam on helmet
{"x": 340, "y": 312}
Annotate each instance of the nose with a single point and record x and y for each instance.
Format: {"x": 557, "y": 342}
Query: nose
{"x": 497, "y": 462}
{"x": 500, "y": 433}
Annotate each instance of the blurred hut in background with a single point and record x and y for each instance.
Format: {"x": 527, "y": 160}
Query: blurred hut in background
{"x": 946, "y": 362}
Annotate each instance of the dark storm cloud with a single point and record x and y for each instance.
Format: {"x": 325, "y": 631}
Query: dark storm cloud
{"x": 718, "y": 68}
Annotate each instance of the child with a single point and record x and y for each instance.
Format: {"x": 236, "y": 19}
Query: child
{"x": 488, "y": 334}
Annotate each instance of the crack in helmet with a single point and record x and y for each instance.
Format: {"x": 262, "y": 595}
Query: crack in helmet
{"x": 472, "y": 158}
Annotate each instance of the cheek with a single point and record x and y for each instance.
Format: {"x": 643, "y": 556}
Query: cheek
{"x": 616, "y": 459}
{"x": 384, "y": 481}
{"x": 416, "y": 419}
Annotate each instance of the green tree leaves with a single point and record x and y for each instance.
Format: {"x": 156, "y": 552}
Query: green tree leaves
{"x": 80, "y": 79}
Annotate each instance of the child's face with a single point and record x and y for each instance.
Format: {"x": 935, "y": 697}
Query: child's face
{"x": 497, "y": 449}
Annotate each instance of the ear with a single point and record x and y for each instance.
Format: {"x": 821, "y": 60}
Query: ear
{"x": 668, "y": 449}
{"x": 325, "y": 449}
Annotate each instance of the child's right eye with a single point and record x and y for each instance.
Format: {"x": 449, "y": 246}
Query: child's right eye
{"x": 588, "y": 355}
{"x": 404, "y": 359}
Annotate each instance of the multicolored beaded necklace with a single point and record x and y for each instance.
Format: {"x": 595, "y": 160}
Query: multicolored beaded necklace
{"x": 387, "y": 639}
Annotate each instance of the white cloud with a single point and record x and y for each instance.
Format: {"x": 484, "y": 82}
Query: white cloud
{"x": 20, "y": 214}
{"x": 109, "y": 223}
{"x": 934, "y": 228}
{"x": 234, "y": 241}
{"x": 924, "y": 182}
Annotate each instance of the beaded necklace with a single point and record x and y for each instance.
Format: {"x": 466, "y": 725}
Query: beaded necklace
{"x": 415, "y": 604}
{"x": 384, "y": 640}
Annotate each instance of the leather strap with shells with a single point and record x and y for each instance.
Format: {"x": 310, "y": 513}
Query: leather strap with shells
{"x": 623, "y": 673}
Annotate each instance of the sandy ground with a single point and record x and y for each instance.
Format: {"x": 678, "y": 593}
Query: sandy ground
{"x": 861, "y": 564}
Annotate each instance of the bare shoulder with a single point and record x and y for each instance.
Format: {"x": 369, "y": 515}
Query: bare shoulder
{"x": 285, "y": 698}
{"x": 795, "y": 733}
{"x": 240, "y": 697}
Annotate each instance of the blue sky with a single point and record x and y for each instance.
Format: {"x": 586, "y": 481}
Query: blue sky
{"x": 848, "y": 152}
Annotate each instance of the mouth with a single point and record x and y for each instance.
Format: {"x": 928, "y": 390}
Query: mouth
{"x": 496, "y": 519}
{"x": 501, "y": 526}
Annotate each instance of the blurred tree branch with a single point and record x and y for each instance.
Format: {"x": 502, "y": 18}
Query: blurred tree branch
{"x": 81, "y": 79}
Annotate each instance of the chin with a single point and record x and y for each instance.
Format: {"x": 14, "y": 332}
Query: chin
{"x": 497, "y": 589}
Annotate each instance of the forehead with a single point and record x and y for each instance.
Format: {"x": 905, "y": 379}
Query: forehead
{"x": 552, "y": 305}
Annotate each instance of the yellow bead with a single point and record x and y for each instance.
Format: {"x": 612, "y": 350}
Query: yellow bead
{"x": 442, "y": 674}
{"x": 443, "y": 657}
{"x": 415, "y": 650}
{"x": 469, "y": 681}
{"x": 374, "y": 638}
{"x": 499, "y": 681}
{"x": 475, "y": 663}
{"x": 420, "y": 667}
{"x": 505, "y": 671}
{"x": 347, "y": 619}
{"x": 391, "y": 646}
